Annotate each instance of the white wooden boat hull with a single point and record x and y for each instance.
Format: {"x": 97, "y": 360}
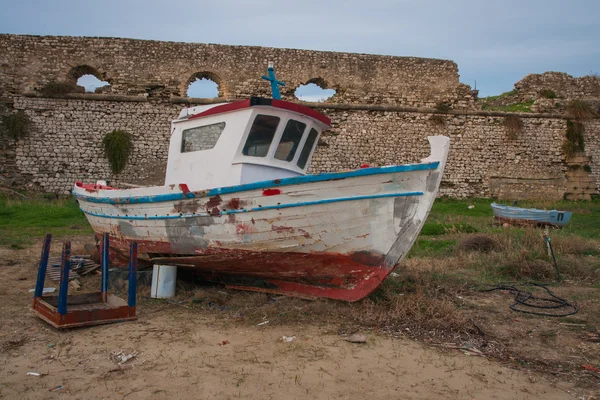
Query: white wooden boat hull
{"x": 331, "y": 235}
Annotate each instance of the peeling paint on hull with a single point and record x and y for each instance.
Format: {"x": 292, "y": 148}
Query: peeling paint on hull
{"x": 337, "y": 238}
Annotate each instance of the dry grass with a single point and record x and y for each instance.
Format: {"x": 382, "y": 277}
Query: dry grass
{"x": 480, "y": 242}
{"x": 580, "y": 109}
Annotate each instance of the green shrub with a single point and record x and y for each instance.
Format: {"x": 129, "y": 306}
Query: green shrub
{"x": 548, "y": 93}
{"x": 117, "y": 146}
{"x": 16, "y": 125}
{"x": 587, "y": 168}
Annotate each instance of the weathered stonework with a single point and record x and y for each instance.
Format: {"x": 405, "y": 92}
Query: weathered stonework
{"x": 563, "y": 85}
{"x": 163, "y": 69}
{"x": 381, "y": 114}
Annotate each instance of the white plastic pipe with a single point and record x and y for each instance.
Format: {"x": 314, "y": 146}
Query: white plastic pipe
{"x": 163, "y": 281}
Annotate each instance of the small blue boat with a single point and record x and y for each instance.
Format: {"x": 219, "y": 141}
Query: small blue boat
{"x": 531, "y": 215}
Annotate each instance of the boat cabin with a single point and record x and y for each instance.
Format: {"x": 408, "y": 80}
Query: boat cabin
{"x": 242, "y": 142}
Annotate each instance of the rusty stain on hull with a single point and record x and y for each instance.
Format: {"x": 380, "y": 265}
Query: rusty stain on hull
{"x": 348, "y": 277}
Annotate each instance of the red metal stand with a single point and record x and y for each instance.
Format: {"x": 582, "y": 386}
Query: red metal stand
{"x": 64, "y": 311}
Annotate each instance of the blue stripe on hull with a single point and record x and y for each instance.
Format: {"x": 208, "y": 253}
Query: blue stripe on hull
{"x": 260, "y": 185}
{"x": 300, "y": 204}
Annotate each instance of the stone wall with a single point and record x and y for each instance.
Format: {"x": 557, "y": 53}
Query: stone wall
{"x": 66, "y": 145}
{"x": 563, "y": 85}
{"x": 382, "y": 113}
{"x": 164, "y": 69}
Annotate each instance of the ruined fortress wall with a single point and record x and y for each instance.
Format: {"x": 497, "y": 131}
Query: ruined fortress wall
{"x": 371, "y": 119}
{"x": 563, "y": 85}
{"x": 66, "y": 145}
{"x": 159, "y": 69}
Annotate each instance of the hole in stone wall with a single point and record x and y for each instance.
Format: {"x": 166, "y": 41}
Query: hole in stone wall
{"x": 203, "y": 88}
{"x": 91, "y": 83}
{"x": 314, "y": 91}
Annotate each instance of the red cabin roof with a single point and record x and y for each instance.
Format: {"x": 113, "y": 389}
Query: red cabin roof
{"x": 259, "y": 101}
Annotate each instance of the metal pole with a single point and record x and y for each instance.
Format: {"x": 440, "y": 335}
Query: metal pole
{"x": 64, "y": 278}
{"x": 41, "y": 278}
{"x": 104, "y": 261}
{"x": 133, "y": 247}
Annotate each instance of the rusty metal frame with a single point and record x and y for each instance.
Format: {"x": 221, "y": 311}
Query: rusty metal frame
{"x": 69, "y": 311}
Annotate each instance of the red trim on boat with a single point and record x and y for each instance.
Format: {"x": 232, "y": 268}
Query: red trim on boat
{"x": 300, "y": 109}
{"x": 271, "y": 192}
{"x": 90, "y": 187}
{"x": 236, "y": 105}
{"x": 284, "y": 105}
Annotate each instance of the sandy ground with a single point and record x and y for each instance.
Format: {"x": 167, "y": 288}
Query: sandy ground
{"x": 184, "y": 354}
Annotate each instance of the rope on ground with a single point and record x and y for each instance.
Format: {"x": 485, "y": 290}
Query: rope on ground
{"x": 527, "y": 303}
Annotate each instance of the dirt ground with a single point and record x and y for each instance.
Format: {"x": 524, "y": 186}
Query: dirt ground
{"x": 186, "y": 354}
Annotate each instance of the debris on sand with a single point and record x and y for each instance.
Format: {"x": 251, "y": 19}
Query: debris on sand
{"x": 122, "y": 357}
{"x": 356, "y": 338}
{"x": 288, "y": 339}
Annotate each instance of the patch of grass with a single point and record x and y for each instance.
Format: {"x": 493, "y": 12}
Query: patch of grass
{"x": 500, "y": 96}
{"x": 432, "y": 247}
{"x": 579, "y": 109}
{"x": 513, "y": 125}
{"x": 517, "y": 107}
{"x": 433, "y": 229}
{"x": 17, "y": 125}
{"x": 22, "y": 221}
{"x": 117, "y": 146}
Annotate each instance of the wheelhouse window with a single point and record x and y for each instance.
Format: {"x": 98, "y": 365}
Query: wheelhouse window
{"x": 201, "y": 137}
{"x": 261, "y": 135}
{"x": 286, "y": 150}
{"x": 308, "y": 146}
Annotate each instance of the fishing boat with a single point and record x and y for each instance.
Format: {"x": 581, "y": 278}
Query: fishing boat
{"x": 512, "y": 214}
{"x": 239, "y": 207}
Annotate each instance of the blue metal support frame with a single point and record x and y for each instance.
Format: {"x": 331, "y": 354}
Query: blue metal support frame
{"x": 63, "y": 290}
{"x": 104, "y": 261}
{"x": 133, "y": 248}
{"x": 41, "y": 277}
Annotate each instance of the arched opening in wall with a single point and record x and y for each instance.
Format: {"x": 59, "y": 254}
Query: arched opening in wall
{"x": 88, "y": 78}
{"x": 315, "y": 90}
{"x": 204, "y": 85}
{"x": 90, "y": 83}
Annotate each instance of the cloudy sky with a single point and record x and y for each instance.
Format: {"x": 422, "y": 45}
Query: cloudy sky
{"x": 495, "y": 43}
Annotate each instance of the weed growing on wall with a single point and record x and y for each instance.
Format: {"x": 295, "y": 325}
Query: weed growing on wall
{"x": 548, "y": 93}
{"x": 117, "y": 146}
{"x": 442, "y": 107}
{"x": 16, "y": 126}
{"x": 579, "y": 109}
{"x": 513, "y": 125}
{"x": 574, "y": 138}
{"x": 438, "y": 120}
{"x": 59, "y": 89}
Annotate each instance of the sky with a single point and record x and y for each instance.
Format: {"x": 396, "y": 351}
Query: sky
{"x": 494, "y": 43}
